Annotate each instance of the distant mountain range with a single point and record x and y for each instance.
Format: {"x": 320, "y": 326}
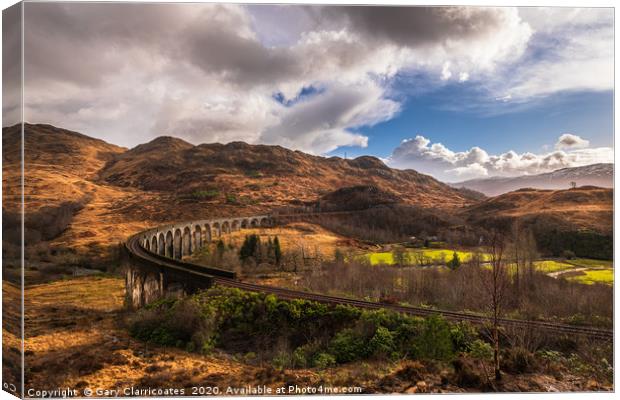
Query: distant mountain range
{"x": 601, "y": 175}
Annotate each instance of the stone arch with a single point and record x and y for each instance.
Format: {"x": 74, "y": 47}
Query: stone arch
{"x": 245, "y": 224}
{"x": 235, "y": 225}
{"x": 154, "y": 244}
{"x": 197, "y": 242}
{"x": 161, "y": 246}
{"x": 147, "y": 244}
{"x": 225, "y": 227}
{"x": 169, "y": 252}
{"x": 217, "y": 229}
{"x": 207, "y": 233}
{"x": 177, "y": 249}
{"x": 187, "y": 241}
{"x": 254, "y": 223}
{"x": 264, "y": 222}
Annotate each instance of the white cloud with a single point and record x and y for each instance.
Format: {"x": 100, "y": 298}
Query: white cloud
{"x": 445, "y": 71}
{"x": 318, "y": 124}
{"x": 438, "y": 160}
{"x": 571, "y": 49}
{"x": 570, "y": 141}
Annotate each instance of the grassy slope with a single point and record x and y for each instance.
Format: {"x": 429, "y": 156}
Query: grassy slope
{"x": 584, "y": 207}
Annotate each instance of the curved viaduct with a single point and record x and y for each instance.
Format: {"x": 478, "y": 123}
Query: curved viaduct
{"x": 183, "y": 239}
{"x": 156, "y": 270}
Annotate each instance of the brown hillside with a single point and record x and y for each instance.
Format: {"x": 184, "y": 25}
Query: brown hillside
{"x": 263, "y": 176}
{"x": 356, "y": 198}
{"x": 119, "y": 191}
{"x": 61, "y": 167}
{"x": 586, "y": 207}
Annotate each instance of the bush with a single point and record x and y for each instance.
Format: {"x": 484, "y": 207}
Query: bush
{"x": 205, "y": 194}
{"x": 324, "y": 360}
{"x": 282, "y": 360}
{"x": 481, "y": 350}
{"x": 455, "y": 262}
{"x": 463, "y": 335}
{"x": 382, "y": 343}
{"x": 347, "y": 346}
{"x": 435, "y": 340}
{"x": 517, "y": 360}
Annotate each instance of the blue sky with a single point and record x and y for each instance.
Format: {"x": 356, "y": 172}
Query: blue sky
{"x": 525, "y": 127}
{"x": 455, "y": 92}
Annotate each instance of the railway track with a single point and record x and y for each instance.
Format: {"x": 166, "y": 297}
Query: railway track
{"x": 224, "y": 278}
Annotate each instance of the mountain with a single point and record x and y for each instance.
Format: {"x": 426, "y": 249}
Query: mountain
{"x": 582, "y": 208}
{"x": 62, "y": 190}
{"x": 589, "y": 175}
{"x": 261, "y": 177}
{"x": 94, "y": 194}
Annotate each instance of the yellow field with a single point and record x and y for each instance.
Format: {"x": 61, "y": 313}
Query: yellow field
{"x": 582, "y": 270}
{"x": 552, "y": 266}
{"x": 435, "y": 255}
{"x": 595, "y": 276}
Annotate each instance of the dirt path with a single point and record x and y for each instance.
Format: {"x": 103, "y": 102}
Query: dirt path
{"x": 557, "y": 274}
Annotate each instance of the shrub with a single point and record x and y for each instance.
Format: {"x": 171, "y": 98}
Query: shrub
{"x": 518, "y": 360}
{"x": 347, "y": 346}
{"x": 481, "y": 350}
{"x": 382, "y": 343}
{"x": 206, "y": 194}
{"x": 324, "y": 360}
{"x": 435, "y": 340}
{"x": 463, "y": 336}
{"x": 282, "y": 360}
{"x": 455, "y": 262}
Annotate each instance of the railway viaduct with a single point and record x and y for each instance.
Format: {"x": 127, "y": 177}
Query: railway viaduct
{"x": 153, "y": 275}
{"x": 183, "y": 239}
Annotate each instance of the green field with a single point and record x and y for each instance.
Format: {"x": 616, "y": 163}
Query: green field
{"x": 595, "y": 276}
{"x": 598, "y": 271}
{"x": 589, "y": 263}
{"x": 434, "y": 255}
{"x": 552, "y": 266}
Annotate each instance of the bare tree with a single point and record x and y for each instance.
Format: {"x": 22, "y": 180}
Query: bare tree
{"x": 495, "y": 282}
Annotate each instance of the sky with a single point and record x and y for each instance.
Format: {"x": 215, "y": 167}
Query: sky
{"x": 455, "y": 92}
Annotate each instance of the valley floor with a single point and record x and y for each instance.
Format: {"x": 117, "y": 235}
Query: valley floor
{"x": 76, "y": 338}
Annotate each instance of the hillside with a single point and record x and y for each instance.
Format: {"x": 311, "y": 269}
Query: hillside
{"x": 586, "y": 207}
{"x": 62, "y": 194}
{"x": 590, "y": 175}
{"x": 85, "y": 193}
{"x": 261, "y": 176}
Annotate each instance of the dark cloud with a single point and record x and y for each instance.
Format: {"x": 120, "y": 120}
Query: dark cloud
{"x": 415, "y": 26}
{"x": 84, "y": 43}
{"x": 245, "y": 61}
